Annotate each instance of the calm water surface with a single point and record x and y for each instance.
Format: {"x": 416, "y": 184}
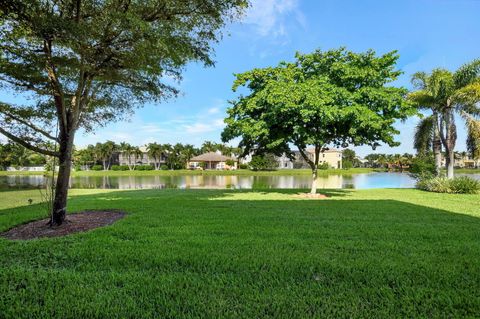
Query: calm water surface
{"x": 356, "y": 181}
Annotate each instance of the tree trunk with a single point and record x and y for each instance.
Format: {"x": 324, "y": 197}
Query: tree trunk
{"x": 314, "y": 180}
{"x": 451, "y": 138}
{"x": 59, "y": 208}
{"x": 450, "y": 161}
{"x": 437, "y": 146}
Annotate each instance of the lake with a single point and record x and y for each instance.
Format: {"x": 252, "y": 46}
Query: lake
{"x": 355, "y": 181}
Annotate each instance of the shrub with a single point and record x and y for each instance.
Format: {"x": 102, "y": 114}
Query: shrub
{"x": 77, "y": 168}
{"x": 144, "y": 167}
{"x": 458, "y": 185}
{"x": 265, "y": 162}
{"x": 119, "y": 168}
{"x": 324, "y": 166}
{"x": 230, "y": 162}
{"x": 347, "y": 164}
{"x": 423, "y": 165}
{"x": 164, "y": 167}
{"x": 97, "y": 168}
{"x": 434, "y": 184}
{"x": 465, "y": 185}
{"x": 243, "y": 166}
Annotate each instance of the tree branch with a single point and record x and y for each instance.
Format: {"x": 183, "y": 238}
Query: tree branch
{"x": 30, "y": 125}
{"x": 57, "y": 88}
{"x": 28, "y": 145}
{"x": 305, "y": 157}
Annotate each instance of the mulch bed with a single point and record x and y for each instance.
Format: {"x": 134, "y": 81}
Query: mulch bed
{"x": 311, "y": 196}
{"x": 74, "y": 223}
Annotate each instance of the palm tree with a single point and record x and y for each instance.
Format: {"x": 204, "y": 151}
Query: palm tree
{"x": 104, "y": 152}
{"x": 427, "y": 134}
{"x": 188, "y": 152}
{"x": 447, "y": 93}
{"x": 155, "y": 151}
{"x": 473, "y": 139}
{"x": 127, "y": 150}
{"x": 209, "y": 146}
{"x": 137, "y": 153}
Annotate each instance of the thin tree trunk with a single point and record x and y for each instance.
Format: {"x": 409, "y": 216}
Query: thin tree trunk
{"x": 450, "y": 162}
{"x": 313, "y": 190}
{"x": 451, "y": 138}
{"x": 59, "y": 209}
{"x": 437, "y": 145}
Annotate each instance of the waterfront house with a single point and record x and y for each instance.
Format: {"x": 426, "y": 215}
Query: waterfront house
{"x": 332, "y": 157}
{"x": 212, "y": 160}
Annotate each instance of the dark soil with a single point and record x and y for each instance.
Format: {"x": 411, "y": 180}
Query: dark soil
{"x": 74, "y": 223}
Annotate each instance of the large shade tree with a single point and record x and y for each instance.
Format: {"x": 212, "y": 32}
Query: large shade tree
{"x": 83, "y": 63}
{"x": 325, "y": 99}
{"x": 447, "y": 94}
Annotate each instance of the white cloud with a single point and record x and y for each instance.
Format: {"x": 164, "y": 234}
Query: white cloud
{"x": 213, "y": 110}
{"x": 269, "y": 17}
{"x": 203, "y": 127}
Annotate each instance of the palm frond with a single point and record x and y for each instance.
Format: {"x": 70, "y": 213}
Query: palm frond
{"x": 467, "y": 74}
{"x": 419, "y": 80}
{"x": 424, "y": 135}
{"x": 468, "y": 98}
{"x": 473, "y": 136}
{"x": 422, "y": 99}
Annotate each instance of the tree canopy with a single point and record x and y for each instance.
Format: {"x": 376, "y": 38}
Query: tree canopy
{"x": 324, "y": 99}
{"x": 84, "y": 63}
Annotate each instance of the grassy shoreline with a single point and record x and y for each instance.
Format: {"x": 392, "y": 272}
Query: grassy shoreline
{"x": 246, "y": 254}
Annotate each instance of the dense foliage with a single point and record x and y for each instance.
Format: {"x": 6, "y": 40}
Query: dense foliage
{"x": 264, "y": 162}
{"x": 87, "y": 63}
{"x": 322, "y": 99}
{"x": 12, "y": 154}
{"x": 457, "y": 185}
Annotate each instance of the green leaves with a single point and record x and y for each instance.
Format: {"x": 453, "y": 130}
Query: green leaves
{"x": 98, "y": 60}
{"x": 331, "y": 98}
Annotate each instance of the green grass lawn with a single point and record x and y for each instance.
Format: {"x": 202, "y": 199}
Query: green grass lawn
{"x": 240, "y": 172}
{"x": 244, "y": 254}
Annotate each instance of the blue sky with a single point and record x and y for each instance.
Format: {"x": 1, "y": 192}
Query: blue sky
{"x": 427, "y": 34}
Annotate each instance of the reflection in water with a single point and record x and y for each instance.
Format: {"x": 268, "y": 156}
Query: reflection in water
{"x": 358, "y": 181}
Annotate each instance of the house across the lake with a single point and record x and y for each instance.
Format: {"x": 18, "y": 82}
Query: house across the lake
{"x": 141, "y": 159}
{"x": 332, "y": 157}
{"x": 212, "y": 160}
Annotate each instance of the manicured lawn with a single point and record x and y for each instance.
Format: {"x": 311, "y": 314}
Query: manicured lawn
{"x": 240, "y": 172}
{"x": 243, "y": 254}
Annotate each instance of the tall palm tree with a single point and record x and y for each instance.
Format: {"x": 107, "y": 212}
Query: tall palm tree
{"x": 188, "y": 152}
{"x": 446, "y": 94}
{"x": 104, "y": 152}
{"x": 137, "y": 154}
{"x": 155, "y": 151}
{"x": 427, "y": 134}
{"x": 126, "y": 150}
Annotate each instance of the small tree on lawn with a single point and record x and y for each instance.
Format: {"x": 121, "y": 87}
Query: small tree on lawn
{"x": 88, "y": 62}
{"x": 323, "y": 99}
